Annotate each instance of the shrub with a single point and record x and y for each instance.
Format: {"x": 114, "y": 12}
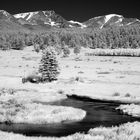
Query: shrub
{"x": 116, "y": 94}
{"x": 80, "y": 72}
{"x": 60, "y": 91}
{"x": 5, "y": 46}
{"x": 36, "y": 48}
{"x": 49, "y": 68}
{"x": 28, "y": 41}
{"x": 77, "y": 50}
{"x": 127, "y": 95}
{"x": 32, "y": 79}
{"x": 4, "y": 91}
{"x": 66, "y": 51}
{"x": 78, "y": 59}
{"x": 79, "y": 79}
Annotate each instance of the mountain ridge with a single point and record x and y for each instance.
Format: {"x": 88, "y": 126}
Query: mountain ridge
{"x": 49, "y": 19}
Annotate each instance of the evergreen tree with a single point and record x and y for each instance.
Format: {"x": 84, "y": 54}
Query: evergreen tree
{"x": 49, "y": 68}
{"x": 77, "y": 50}
{"x": 65, "y": 49}
{"x": 17, "y": 43}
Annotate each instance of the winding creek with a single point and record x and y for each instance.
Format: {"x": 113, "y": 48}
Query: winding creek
{"x": 98, "y": 114}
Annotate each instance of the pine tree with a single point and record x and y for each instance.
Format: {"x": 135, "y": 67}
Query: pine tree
{"x": 49, "y": 68}
{"x": 77, "y": 50}
{"x": 66, "y": 51}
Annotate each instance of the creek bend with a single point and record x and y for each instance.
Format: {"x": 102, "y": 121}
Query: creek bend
{"x": 98, "y": 114}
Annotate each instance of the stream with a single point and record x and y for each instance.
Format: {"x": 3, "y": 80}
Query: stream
{"x": 98, "y": 114}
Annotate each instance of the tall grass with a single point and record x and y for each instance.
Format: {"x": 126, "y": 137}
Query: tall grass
{"x": 13, "y": 111}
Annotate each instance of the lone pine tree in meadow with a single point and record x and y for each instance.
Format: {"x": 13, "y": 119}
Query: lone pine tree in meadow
{"x": 49, "y": 68}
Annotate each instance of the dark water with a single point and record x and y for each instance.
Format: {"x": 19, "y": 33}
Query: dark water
{"x": 98, "y": 114}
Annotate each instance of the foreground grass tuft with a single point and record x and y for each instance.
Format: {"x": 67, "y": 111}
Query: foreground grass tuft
{"x": 13, "y": 111}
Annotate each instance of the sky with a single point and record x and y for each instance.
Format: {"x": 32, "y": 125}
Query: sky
{"x": 78, "y": 10}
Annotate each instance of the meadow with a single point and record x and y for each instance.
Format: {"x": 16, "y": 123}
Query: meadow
{"x": 107, "y": 78}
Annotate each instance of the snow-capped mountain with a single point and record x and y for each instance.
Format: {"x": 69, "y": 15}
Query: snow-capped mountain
{"x": 38, "y": 17}
{"x": 110, "y": 20}
{"x": 49, "y": 18}
{"x": 44, "y": 20}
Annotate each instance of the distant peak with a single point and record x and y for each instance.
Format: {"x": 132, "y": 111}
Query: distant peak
{"x": 49, "y": 11}
{"x": 108, "y": 17}
{"x": 111, "y": 15}
{"x": 4, "y": 12}
{"x": 28, "y": 15}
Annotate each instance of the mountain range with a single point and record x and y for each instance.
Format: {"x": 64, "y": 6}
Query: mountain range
{"x": 44, "y": 20}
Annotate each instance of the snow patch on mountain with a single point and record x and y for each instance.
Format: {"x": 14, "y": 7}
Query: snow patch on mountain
{"x": 119, "y": 20}
{"x": 44, "y": 12}
{"x": 97, "y": 17}
{"x": 108, "y": 17}
{"x": 52, "y": 23}
{"x": 31, "y": 14}
{"x": 71, "y": 26}
{"x": 23, "y": 15}
{"x": 138, "y": 20}
{"x": 130, "y": 23}
{"x": 76, "y": 22}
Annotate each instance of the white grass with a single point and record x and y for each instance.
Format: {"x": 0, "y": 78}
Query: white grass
{"x": 131, "y": 109}
{"x": 129, "y": 131}
{"x": 17, "y": 112}
{"x": 30, "y": 95}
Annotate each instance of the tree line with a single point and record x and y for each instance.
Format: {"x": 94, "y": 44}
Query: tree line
{"x": 64, "y": 39}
